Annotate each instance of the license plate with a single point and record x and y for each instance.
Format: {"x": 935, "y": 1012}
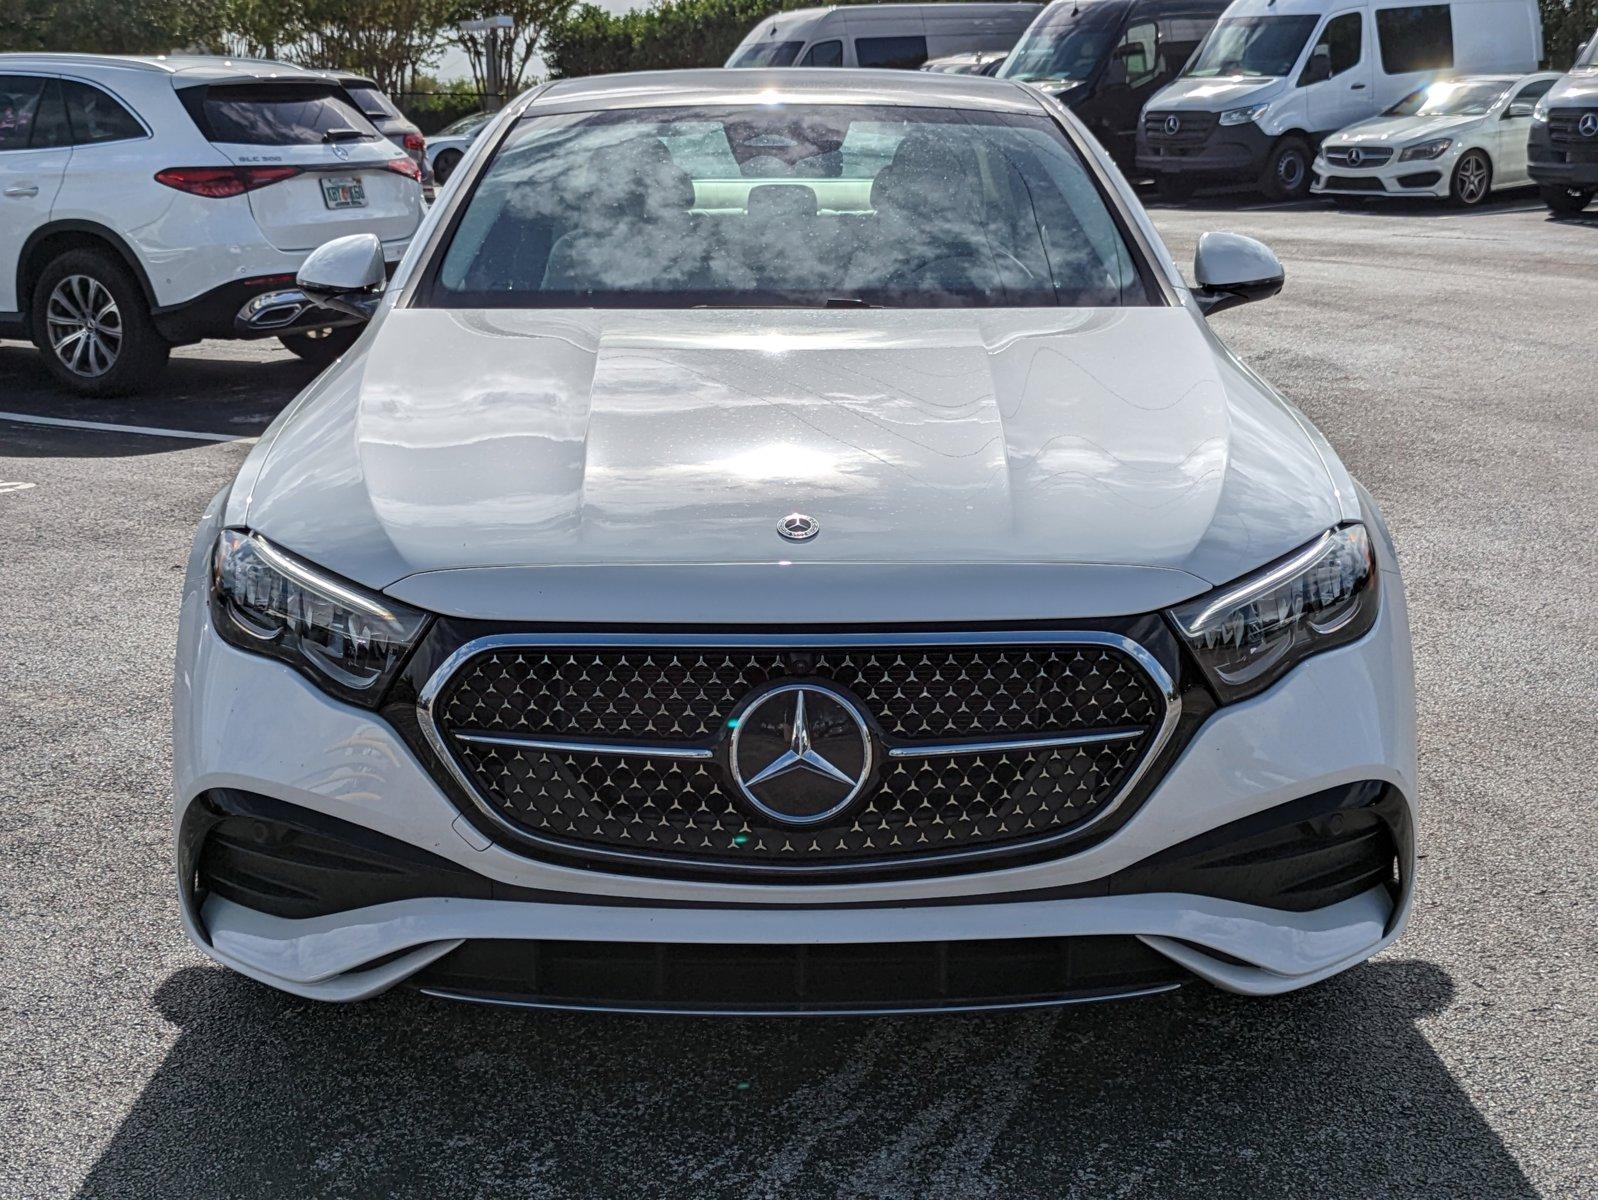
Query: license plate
{"x": 343, "y": 192}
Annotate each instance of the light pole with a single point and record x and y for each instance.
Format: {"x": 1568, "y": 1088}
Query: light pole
{"x": 490, "y": 28}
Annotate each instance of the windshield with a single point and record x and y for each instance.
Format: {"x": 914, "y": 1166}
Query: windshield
{"x": 1066, "y": 43}
{"x": 779, "y": 205}
{"x": 1258, "y": 47}
{"x": 1450, "y": 100}
{"x": 767, "y": 54}
{"x": 463, "y": 126}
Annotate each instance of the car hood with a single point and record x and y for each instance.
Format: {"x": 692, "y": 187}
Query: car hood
{"x": 1577, "y": 89}
{"x": 1398, "y": 131}
{"x": 1214, "y": 95}
{"x": 1124, "y": 449}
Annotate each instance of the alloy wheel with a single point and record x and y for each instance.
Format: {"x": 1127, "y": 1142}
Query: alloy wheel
{"x": 1470, "y": 179}
{"x": 84, "y": 325}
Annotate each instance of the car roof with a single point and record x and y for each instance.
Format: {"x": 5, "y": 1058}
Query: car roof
{"x": 800, "y": 85}
{"x": 184, "y": 69}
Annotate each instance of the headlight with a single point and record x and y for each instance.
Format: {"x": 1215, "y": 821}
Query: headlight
{"x": 348, "y": 640}
{"x": 1242, "y": 116}
{"x": 1249, "y": 634}
{"x": 1426, "y": 150}
{"x": 1540, "y": 113}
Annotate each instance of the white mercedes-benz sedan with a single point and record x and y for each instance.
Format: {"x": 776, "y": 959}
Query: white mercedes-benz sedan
{"x": 789, "y": 542}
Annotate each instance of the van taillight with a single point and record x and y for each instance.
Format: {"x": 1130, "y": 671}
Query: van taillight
{"x": 218, "y": 183}
{"x": 404, "y": 166}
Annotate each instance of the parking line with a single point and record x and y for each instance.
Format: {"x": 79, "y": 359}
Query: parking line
{"x": 190, "y": 435}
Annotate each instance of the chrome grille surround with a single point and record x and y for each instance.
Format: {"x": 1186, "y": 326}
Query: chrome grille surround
{"x": 1369, "y": 156}
{"x": 964, "y": 792}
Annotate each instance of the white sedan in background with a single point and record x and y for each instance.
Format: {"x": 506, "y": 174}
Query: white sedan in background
{"x": 1457, "y": 139}
{"x": 448, "y": 145}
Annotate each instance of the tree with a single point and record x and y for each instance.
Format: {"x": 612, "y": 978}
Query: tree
{"x": 516, "y": 47}
{"x": 125, "y": 27}
{"x": 1566, "y": 25}
{"x": 667, "y": 35}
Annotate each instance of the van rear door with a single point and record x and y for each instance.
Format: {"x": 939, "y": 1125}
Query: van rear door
{"x": 343, "y": 182}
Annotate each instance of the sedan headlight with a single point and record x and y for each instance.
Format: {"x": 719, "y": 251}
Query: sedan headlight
{"x": 1242, "y": 116}
{"x": 1426, "y": 150}
{"x": 1249, "y": 634}
{"x": 349, "y": 641}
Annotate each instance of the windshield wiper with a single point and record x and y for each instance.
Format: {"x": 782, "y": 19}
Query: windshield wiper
{"x": 343, "y": 135}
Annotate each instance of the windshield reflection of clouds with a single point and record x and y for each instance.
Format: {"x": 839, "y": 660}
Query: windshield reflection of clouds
{"x": 785, "y": 205}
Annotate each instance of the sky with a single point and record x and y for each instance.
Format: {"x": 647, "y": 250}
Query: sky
{"x": 453, "y": 64}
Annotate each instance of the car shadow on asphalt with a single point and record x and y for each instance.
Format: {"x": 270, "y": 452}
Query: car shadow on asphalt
{"x": 200, "y": 391}
{"x": 1332, "y": 1091}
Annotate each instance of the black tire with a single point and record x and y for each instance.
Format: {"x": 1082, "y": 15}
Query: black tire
{"x": 91, "y": 321}
{"x": 1472, "y": 181}
{"x": 444, "y": 165}
{"x": 1173, "y": 189}
{"x": 321, "y": 347}
{"x": 1287, "y": 170}
{"x": 1566, "y": 201}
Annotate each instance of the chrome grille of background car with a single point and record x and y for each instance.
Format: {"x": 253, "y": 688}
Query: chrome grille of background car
{"x": 593, "y": 747}
{"x": 1369, "y": 156}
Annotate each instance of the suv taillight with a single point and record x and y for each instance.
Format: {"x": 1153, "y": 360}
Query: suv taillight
{"x": 404, "y": 166}
{"x": 415, "y": 142}
{"x": 218, "y": 183}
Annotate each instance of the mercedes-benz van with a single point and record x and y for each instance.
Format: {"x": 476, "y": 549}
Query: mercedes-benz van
{"x": 1274, "y": 77}
{"x": 902, "y": 36}
{"x": 1562, "y": 149}
{"x": 1104, "y": 59}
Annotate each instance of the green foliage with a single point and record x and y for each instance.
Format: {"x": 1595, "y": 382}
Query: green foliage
{"x": 434, "y": 105}
{"x": 99, "y": 26}
{"x": 1566, "y": 25}
{"x": 666, "y": 35}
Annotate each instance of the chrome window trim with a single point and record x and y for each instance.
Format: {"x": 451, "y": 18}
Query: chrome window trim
{"x": 427, "y": 720}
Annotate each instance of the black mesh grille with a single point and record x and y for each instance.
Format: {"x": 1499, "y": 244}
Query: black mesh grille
{"x": 1193, "y": 129}
{"x": 654, "y": 805}
{"x": 687, "y": 695}
{"x": 659, "y": 705}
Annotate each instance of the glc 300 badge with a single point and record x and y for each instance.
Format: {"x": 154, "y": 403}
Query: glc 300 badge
{"x": 798, "y": 527}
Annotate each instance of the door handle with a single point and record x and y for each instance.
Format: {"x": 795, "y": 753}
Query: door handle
{"x": 23, "y": 190}
{"x": 1356, "y": 87}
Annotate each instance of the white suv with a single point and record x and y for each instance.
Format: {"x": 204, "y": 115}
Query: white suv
{"x": 152, "y": 202}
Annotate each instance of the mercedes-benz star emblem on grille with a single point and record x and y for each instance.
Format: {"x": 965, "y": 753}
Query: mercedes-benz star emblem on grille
{"x": 1355, "y": 156}
{"x": 1173, "y": 124}
{"x": 1588, "y": 125}
{"x": 798, "y": 527}
{"x": 800, "y": 753}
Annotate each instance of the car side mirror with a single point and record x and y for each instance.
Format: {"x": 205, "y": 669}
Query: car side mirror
{"x": 1319, "y": 68}
{"x": 1520, "y": 108}
{"x": 346, "y": 275}
{"x": 1231, "y": 269}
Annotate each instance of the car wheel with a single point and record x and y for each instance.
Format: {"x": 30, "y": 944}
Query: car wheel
{"x": 1473, "y": 179}
{"x": 1286, "y": 175}
{"x": 1567, "y": 201}
{"x": 444, "y": 165}
{"x": 91, "y": 321}
{"x": 321, "y": 346}
{"x": 1173, "y": 188}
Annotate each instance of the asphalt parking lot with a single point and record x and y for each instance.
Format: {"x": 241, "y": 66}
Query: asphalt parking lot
{"x": 1450, "y": 359}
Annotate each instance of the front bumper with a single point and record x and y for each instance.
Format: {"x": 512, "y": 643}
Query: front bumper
{"x": 245, "y": 724}
{"x": 1570, "y": 162}
{"x": 1430, "y": 177}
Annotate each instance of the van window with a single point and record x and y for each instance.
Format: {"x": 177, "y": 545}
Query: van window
{"x": 768, "y": 54}
{"x": 1180, "y": 36}
{"x": 1139, "y": 52}
{"x": 1257, "y": 47}
{"x": 824, "y": 54}
{"x": 1416, "y": 39}
{"x": 96, "y": 117}
{"x": 19, "y": 104}
{"x": 1342, "y": 40}
{"x": 899, "y": 53}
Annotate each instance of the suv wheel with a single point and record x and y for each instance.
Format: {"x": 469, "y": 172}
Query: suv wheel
{"x": 92, "y": 322}
{"x": 1286, "y": 175}
{"x": 1473, "y": 180}
{"x": 1567, "y": 201}
{"x": 321, "y": 347}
